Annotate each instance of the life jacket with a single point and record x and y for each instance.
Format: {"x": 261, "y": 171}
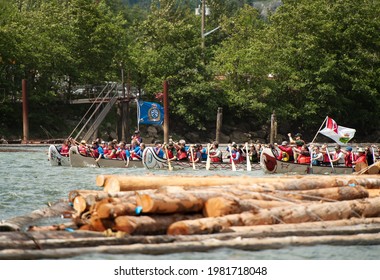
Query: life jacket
{"x": 302, "y": 159}
{"x": 170, "y": 154}
{"x": 65, "y": 150}
{"x": 181, "y": 154}
{"x": 284, "y": 156}
{"x": 348, "y": 159}
{"x": 194, "y": 158}
{"x": 111, "y": 154}
{"x": 362, "y": 158}
{"x": 216, "y": 159}
{"x": 236, "y": 157}
{"x": 95, "y": 153}
{"x": 82, "y": 150}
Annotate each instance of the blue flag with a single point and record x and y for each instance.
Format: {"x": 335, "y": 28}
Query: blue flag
{"x": 150, "y": 113}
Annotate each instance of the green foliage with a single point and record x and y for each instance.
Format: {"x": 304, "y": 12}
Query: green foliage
{"x": 323, "y": 56}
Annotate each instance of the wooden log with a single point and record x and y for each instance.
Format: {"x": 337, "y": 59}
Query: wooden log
{"x": 221, "y": 206}
{"x": 252, "y": 244}
{"x": 128, "y": 183}
{"x": 329, "y": 194}
{"x": 114, "y": 209}
{"x": 369, "y": 207}
{"x": 76, "y": 239}
{"x": 155, "y": 224}
{"x": 54, "y": 210}
{"x": 169, "y": 203}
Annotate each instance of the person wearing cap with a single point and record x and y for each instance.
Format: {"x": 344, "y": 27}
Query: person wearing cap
{"x": 121, "y": 151}
{"x": 95, "y": 150}
{"x": 337, "y": 156}
{"x": 298, "y": 142}
{"x": 82, "y": 148}
{"x": 286, "y": 153}
{"x": 361, "y": 161}
{"x": 172, "y": 151}
{"x": 348, "y": 157}
{"x": 136, "y": 139}
{"x": 182, "y": 150}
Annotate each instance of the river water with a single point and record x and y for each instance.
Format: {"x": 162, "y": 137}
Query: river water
{"x": 28, "y": 182}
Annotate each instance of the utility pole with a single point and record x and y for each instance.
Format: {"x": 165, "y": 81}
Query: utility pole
{"x": 203, "y": 17}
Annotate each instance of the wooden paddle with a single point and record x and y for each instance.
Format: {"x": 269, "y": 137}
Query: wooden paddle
{"x": 192, "y": 156}
{"x": 232, "y": 160}
{"x": 208, "y": 161}
{"x": 170, "y": 167}
{"x": 249, "y": 168}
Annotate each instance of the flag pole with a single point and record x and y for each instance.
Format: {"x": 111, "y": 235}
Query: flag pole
{"x": 319, "y": 130}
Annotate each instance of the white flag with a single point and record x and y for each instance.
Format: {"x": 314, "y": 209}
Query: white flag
{"x": 340, "y": 134}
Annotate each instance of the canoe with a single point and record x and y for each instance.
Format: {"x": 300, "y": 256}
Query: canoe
{"x": 79, "y": 160}
{"x": 55, "y": 158}
{"x": 152, "y": 161}
{"x": 270, "y": 164}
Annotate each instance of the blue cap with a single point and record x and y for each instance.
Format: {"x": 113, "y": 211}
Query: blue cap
{"x": 348, "y": 148}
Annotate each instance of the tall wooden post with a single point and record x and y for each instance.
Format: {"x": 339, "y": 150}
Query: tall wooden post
{"x": 203, "y": 17}
{"x": 25, "y": 111}
{"x": 273, "y": 128}
{"x": 219, "y": 117}
{"x": 166, "y": 112}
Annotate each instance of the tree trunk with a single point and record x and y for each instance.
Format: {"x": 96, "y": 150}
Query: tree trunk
{"x": 132, "y": 183}
{"x": 169, "y": 203}
{"x": 293, "y": 214}
{"x": 144, "y": 225}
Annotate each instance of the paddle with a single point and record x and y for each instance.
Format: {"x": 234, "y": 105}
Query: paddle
{"x": 170, "y": 167}
{"x": 125, "y": 159}
{"x": 328, "y": 154}
{"x": 192, "y": 156}
{"x": 249, "y": 168}
{"x": 208, "y": 161}
{"x": 311, "y": 160}
{"x": 232, "y": 160}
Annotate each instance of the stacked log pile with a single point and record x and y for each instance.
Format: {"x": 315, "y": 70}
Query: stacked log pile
{"x": 182, "y": 205}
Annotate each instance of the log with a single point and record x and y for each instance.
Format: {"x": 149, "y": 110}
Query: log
{"x": 329, "y": 194}
{"x": 221, "y": 206}
{"x": 369, "y": 207}
{"x": 114, "y": 209}
{"x": 130, "y": 183}
{"x": 143, "y": 225}
{"x": 57, "y": 209}
{"x": 169, "y": 203}
{"x": 65, "y": 239}
{"x": 252, "y": 244}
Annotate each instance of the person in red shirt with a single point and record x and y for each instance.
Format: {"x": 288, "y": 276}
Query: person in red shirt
{"x": 361, "y": 162}
{"x": 286, "y": 153}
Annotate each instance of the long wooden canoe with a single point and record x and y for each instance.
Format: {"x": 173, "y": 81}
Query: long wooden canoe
{"x": 55, "y": 158}
{"x": 79, "y": 160}
{"x": 152, "y": 161}
{"x": 270, "y": 164}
